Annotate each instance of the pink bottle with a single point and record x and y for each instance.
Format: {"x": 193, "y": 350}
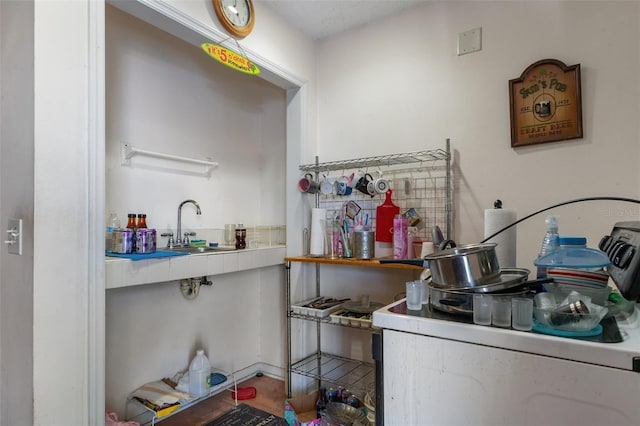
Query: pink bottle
{"x": 400, "y": 236}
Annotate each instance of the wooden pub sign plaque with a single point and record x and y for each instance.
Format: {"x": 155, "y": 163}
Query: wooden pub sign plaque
{"x": 545, "y": 104}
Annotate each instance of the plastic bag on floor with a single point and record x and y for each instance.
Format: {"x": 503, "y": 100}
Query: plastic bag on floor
{"x": 111, "y": 419}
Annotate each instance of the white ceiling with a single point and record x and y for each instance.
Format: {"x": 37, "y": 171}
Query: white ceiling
{"x": 323, "y": 18}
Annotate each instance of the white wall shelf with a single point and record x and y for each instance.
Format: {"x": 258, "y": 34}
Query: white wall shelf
{"x": 128, "y": 152}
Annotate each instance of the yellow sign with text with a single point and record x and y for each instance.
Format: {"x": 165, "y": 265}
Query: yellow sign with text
{"x": 230, "y": 58}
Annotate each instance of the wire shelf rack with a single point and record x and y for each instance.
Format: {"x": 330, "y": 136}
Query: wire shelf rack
{"x": 357, "y": 376}
{"x": 420, "y": 180}
{"x": 418, "y": 157}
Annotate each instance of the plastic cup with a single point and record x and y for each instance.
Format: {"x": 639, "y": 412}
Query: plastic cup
{"x": 501, "y": 315}
{"x": 545, "y": 300}
{"x": 229, "y": 234}
{"x": 426, "y": 249}
{"x": 331, "y": 236}
{"x": 482, "y": 309}
{"x": 425, "y": 292}
{"x": 414, "y": 295}
{"x": 522, "y": 313}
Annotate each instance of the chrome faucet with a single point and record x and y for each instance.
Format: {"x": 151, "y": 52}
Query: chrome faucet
{"x": 179, "y": 239}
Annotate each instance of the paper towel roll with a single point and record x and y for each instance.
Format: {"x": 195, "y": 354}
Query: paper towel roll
{"x": 495, "y": 220}
{"x": 316, "y": 246}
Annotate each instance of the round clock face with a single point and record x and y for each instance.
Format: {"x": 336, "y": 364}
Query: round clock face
{"x": 235, "y": 15}
{"x": 237, "y": 11}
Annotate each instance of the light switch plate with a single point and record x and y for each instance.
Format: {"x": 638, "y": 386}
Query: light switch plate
{"x": 14, "y": 237}
{"x": 470, "y": 41}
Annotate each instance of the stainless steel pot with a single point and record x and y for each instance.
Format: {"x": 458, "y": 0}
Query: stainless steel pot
{"x": 459, "y": 267}
{"x": 465, "y": 266}
{"x": 461, "y": 301}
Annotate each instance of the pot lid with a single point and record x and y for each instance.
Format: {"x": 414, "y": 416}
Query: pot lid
{"x": 508, "y": 278}
{"x": 460, "y": 250}
{"x": 578, "y": 258}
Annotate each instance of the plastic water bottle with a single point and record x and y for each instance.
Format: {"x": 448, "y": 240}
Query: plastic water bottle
{"x": 199, "y": 374}
{"x": 550, "y": 243}
{"x": 113, "y": 223}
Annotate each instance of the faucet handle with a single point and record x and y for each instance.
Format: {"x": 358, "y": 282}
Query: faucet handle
{"x": 185, "y": 240}
{"x": 170, "y": 240}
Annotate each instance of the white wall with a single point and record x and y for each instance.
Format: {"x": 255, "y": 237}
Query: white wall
{"x": 398, "y": 85}
{"x": 16, "y": 201}
{"x": 66, "y": 167}
{"x": 66, "y": 273}
{"x": 168, "y": 96}
{"x": 609, "y": 101}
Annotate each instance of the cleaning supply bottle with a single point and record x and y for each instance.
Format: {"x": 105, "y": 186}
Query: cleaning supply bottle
{"x": 550, "y": 243}
{"x": 199, "y": 374}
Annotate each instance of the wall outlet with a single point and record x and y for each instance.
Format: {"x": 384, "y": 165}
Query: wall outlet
{"x": 470, "y": 41}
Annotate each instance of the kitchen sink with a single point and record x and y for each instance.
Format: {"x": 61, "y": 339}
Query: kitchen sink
{"x": 199, "y": 249}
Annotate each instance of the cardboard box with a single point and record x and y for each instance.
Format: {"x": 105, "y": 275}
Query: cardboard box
{"x": 304, "y": 406}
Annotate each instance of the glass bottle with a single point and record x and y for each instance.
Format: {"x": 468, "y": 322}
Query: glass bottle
{"x": 142, "y": 221}
{"x": 131, "y": 221}
{"x": 241, "y": 236}
{"x": 321, "y": 404}
{"x": 332, "y": 395}
{"x": 354, "y": 401}
{"x": 131, "y": 224}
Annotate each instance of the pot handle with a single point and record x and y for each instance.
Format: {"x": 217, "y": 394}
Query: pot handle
{"x": 538, "y": 285}
{"x": 450, "y": 302}
{"x": 446, "y": 244}
{"x": 414, "y": 262}
{"x": 436, "y": 235}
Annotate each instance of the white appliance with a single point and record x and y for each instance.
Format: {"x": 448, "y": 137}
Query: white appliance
{"x": 441, "y": 369}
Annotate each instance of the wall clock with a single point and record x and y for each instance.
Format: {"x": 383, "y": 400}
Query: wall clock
{"x": 236, "y": 16}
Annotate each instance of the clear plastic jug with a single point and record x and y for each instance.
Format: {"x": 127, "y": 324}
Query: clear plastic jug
{"x": 199, "y": 374}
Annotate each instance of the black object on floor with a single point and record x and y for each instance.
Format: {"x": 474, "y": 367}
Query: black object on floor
{"x": 245, "y": 415}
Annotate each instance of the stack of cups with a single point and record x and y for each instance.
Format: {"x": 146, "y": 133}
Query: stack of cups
{"x": 502, "y": 311}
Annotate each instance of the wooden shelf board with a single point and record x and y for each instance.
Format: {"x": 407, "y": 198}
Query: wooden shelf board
{"x": 372, "y": 263}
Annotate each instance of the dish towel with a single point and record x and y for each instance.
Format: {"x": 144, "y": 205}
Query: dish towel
{"x": 142, "y": 256}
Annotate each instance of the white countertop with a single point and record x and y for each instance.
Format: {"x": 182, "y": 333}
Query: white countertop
{"x": 121, "y": 272}
{"x": 617, "y": 355}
